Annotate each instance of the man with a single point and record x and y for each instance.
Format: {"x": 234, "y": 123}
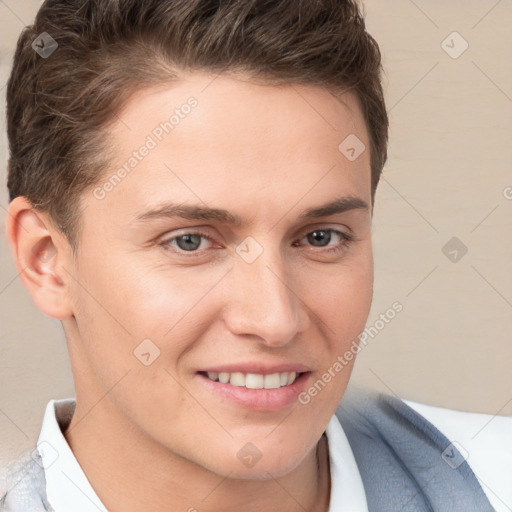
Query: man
{"x": 191, "y": 188}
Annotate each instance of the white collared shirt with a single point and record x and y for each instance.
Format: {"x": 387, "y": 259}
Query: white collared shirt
{"x": 67, "y": 487}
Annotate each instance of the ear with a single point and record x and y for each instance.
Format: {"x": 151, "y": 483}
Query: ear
{"x": 40, "y": 252}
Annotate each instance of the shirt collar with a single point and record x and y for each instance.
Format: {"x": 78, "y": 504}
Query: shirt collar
{"x": 347, "y": 490}
{"x": 67, "y": 487}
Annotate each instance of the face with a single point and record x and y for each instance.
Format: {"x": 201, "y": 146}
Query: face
{"x": 238, "y": 242}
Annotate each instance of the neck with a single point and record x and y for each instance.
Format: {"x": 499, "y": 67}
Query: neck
{"x": 130, "y": 472}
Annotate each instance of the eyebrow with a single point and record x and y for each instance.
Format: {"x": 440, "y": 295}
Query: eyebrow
{"x": 196, "y": 212}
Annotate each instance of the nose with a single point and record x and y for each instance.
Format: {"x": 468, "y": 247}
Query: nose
{"x": 263, "y": 302}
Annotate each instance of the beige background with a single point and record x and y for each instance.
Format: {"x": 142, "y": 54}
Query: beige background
{"x": 450, "y": 163}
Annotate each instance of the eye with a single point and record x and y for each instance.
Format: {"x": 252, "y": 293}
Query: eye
{"x": 187, "y": 242}
{"x": 323, "y": 237}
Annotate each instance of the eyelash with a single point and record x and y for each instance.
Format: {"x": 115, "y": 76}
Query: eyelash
{"x": 345, "y": 241}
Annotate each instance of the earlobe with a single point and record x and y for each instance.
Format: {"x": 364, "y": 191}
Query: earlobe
{"x": 38, "y": 251}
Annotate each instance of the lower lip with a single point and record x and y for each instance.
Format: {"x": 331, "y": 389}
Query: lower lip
{"x": 258, "y": 399}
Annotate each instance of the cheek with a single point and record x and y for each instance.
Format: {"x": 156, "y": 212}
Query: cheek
{"x": 159, "y": 311}
{"x": 140, "y": 297}
{"x": 134, "y": 327}
{"x": 344, "y": 301}
{"x": 341, "y": 310}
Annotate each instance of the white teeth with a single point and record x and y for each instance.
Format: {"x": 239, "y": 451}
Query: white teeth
{"x": 254, "y": 380}
{"x": 272, "y": 381}
{"x": 237, "y": 379}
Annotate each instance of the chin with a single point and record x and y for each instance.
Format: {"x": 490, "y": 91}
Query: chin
{"x": 260, "y": 471}
{"x": 251, "y": 463}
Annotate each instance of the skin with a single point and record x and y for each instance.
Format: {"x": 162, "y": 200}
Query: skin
{"x": 154, "y": 437}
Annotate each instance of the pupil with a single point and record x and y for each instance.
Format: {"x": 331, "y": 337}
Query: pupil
{"x": 189, "y": 242}
{"x": 324, "y": 237}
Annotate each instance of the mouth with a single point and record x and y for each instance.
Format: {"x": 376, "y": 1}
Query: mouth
{"x": 255, "y": 391}
{"x": 254, "y": 380}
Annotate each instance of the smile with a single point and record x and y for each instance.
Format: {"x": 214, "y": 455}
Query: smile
{"x": 254, "y": 380}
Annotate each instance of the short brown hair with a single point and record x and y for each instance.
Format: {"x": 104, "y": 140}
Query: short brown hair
{"x": 59, "y": 106}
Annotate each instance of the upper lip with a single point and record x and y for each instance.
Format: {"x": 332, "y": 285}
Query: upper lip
{"x": 257, "y": 367}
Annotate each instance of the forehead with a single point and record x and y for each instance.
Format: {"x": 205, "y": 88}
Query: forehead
{"x": 227, "y": 102}
{"x": 223, "y": 139}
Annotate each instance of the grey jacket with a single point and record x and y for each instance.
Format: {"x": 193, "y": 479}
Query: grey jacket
{"x": 406, "y": 464}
